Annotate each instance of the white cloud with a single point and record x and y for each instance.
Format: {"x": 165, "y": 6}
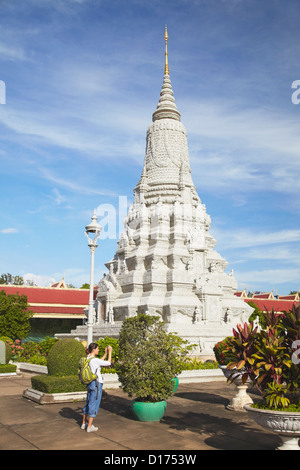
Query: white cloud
{"x": 71, "y": 185}
{"x": 58, "y": 197}
{"x": 75, "y": 276}
{"x": 245, "y": 238}
{"x": 11, "y": 53}
{"x": 237, "y": 148}
{"x": 39, "y": 279}
{"x": 272, "y": 277}
{"x": 276, "y": 253}
{"x": 258, "y": 128}
{"x": 9, "y": 230}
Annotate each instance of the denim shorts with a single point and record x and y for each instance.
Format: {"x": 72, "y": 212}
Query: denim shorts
{"x": 93, "y": 399}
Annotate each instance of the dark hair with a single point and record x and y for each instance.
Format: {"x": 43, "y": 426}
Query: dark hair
{"x": 91, "y": 347}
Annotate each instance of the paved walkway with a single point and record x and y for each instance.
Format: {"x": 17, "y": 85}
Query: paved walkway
{"x": 196, "y": 419}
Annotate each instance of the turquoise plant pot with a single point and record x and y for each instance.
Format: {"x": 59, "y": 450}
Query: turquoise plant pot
{"x": 146, "y": 411}
{"x": 175, "y": 383}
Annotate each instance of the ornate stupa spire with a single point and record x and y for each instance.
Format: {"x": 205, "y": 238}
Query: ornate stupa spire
{"x": 166, "y": 108}
{"x": 166, "y": 174}
{"x": 166, "y": 53}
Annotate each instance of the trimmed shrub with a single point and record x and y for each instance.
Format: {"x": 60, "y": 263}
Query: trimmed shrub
{"x": 63, "y": 357}
{"x": 54, "y": 384}
{"x": 7, "y": 368}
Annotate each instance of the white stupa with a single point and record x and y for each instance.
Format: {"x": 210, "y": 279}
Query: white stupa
{"x": 165, "y": 263}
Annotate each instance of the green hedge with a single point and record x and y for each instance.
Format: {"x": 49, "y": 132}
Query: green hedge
{"x": 55, "y": 384}
{"x": 7, "y": 368}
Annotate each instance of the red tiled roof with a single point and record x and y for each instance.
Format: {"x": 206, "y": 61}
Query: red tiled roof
{"x": 264, "y": 303}
{"x": 293, "y": 297}
{"x": 49, "y": 294}
{"x": 269, "y": 304}
{"x": 48, "y": 301}
{"x": 264, "y": 295}
{"x": 55, "y": 309}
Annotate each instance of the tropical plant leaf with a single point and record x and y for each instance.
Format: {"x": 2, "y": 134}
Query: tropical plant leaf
{"x": 241, "y": 364}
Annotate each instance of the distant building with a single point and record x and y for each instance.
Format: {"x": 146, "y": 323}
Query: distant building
{"x": 55, "y": 307}
{"x": 267, "y": 301}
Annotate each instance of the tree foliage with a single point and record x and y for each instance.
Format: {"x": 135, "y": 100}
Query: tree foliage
{"x": 149, "y": 358}
{"x": 14, "y": 315}
{"x": 7, "y": 278}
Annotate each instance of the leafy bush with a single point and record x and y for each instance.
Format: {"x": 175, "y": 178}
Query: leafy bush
{"x": 108, "y": 370}
{"x": 29, "y": 349}
{"x": 149, "y": 358}
{"x": 16, "y": 347}
{"x": 47, "y": 344}
{"x": 54, "y": 384}
{"x": 196, "y": 364}
{"x": 257, "y": 315}
{"x": 64, "y": 356}
{"x": 223, "y": 351}
{"x": 37, "y": 359}
{"x": 6, "y": 339}
{"x": 113, "y": 342}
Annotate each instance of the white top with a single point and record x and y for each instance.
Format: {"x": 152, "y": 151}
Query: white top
{"x": 95, "y": 365}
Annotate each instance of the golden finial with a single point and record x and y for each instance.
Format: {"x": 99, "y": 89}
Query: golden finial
{"x": 166, "y": 53}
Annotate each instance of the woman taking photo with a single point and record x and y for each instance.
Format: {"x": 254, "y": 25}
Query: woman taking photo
{"x": 94, "y": 389}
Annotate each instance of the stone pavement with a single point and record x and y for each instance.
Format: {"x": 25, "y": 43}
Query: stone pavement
{"x": 196, "y": 419}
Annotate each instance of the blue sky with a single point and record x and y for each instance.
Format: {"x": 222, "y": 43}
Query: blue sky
{"x": 82, "y": 80}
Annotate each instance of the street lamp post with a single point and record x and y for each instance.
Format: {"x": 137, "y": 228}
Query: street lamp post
{"x": 93, "y": 228}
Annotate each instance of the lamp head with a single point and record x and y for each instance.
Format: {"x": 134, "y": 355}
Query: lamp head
{"x": 93, "y": 228}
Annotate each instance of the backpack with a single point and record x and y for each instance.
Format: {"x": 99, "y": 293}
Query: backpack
{"x": 85, "y": 374}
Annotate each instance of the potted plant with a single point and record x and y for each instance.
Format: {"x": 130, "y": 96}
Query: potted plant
{"x": 149, "y": 359}
{"x": 232, "y": 354}
{"x": 277, "y": 376}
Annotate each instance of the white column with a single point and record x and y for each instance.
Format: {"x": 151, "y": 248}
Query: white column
{"x": 90, "y": 321}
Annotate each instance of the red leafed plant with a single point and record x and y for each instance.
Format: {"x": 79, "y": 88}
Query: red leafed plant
{"x": 243, "y": 347}
{"x": 266, "y": 357}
